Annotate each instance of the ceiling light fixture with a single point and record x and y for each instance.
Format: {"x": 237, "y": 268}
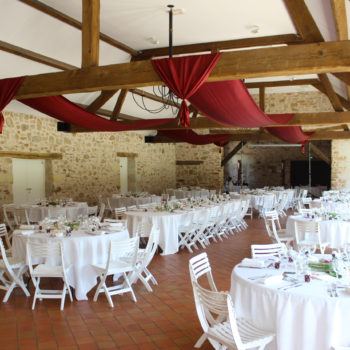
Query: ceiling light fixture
{"x": 166, "y": 97}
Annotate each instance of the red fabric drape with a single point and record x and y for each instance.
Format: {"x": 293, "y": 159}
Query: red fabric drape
{"x": 229, "y": 103}
{"x": 184, "y": 76}
{"x": 62, "y": 109}
{"x": 8, "y": 90}
{"x": 189, "y": 136}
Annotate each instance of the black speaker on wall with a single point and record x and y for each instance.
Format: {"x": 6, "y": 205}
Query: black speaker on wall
{"x": 65, "y": 127}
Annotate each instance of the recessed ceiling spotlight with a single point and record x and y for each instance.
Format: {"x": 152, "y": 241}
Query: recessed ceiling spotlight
{"x": 254, "y": 29}
{"x": 153, "y": 40}
{"x": 178, "y": 11}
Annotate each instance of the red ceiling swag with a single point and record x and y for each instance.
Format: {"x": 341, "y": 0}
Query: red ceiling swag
{"x": 229, "y": 103}
{"x": 184, "y": 76}
{"x": 62, "y": 109}
{"x": 8, "y": 89}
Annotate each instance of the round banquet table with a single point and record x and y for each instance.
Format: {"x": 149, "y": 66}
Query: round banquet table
{"x": 169, "y": 224}
{"x": 37, "y": 213}
{"x": 303, "y": 318}
{"x": 335, "y": 232}
{"x": 80, "y": 250}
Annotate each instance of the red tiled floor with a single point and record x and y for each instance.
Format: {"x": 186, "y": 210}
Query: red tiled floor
{"x": 164, "y": 319}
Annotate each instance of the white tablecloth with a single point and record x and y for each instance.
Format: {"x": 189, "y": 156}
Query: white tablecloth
{"x": 169, "y": 224}
{"x": 81, "y": 251}
{"x": 336, "y": 232}
{"x": 118, "y": 202}
{"x": 192, "y": 193}
{"x": 38, "y": 213}
{"x": 304, "y": 318}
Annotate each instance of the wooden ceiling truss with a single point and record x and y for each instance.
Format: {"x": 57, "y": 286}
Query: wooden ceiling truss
{"x": 295, "y": 54}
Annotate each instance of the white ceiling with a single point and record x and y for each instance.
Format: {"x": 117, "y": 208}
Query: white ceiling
{"x": 133, "y": 22}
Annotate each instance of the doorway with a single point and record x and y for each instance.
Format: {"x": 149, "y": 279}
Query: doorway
{"x": 28, "y": 185}
{"x": 320, "y": 173}
{"x": 123, "y": 171}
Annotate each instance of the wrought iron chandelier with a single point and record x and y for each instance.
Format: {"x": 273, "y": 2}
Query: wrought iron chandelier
{"x": 163, "y": 95}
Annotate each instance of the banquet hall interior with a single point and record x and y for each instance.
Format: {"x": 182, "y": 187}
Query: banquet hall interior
{"x": 174, "y": 175}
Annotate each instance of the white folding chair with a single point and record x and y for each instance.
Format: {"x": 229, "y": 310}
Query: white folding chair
{"x": 92, "y": 211}
{"x": 267, "y": 250}
{"x": 122, "y": 259}
{"x": 57, "y": 212}
{"x": 101, "y": 211}
{"x": 199, "y": 266}
{"x": 5, "y": 238}
{"x": 307, "y": 235}
{"x": 45, "y": 260}
{"x": 221, "y": 326}
{"x": 120, "y": 213}
{"x": 143, "y": 206}
{"x": 274, "y": 229}
{"x": 21, "y": 216}
{"x": 131, "y": 207}
{"x": 11, "y": 274}
{"x": 9, "y": 215}
{"x": 144, "y": 258}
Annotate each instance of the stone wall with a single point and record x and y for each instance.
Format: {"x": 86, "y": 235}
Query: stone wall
{"x": 89, "y": 166}
{"x": 208, "y": 174}
{"x": 340, "y": 164}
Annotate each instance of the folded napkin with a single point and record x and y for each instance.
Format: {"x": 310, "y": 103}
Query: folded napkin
{"x": 58, "y": 233}
{"x": 273, "y": 279}
{"x": 116, "y": 224}
{"x": 27, "y": 232}
{"x": 257, "y": 263}
{"x": 27, "y": 227}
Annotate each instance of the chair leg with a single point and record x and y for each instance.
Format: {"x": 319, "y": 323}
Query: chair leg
{"x": 129, "y": 285}
{"x": 109, "y": 299}
{"x": 37, "y": 282}
{"x": 9, "y": 291}
{"x": 201, "y": 341}
{"x": 145, "y": 283}
{"x": 69, "y": 292}
{"x": 63, "y": 297}
{"x": 148, "y": 272}
{"x": 102, "y": 282}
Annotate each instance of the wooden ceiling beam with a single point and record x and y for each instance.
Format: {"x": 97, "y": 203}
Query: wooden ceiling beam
{"x": 345, "y": 103}
{"x": 299, "y": 119}
{"x": 280, "y": 83}
{"x": 119, "y": 104}
{"x": 100, "y": 100}
{"x": 34, "y": 56}
{"x": 330, "y": 93}
{"x": 267, "y": 62}
{"x": 40, "y": 6}
{"x": 222, "y": 45}
{"x": 256, "y": 136}
{"x": 107, "y": 113}
{"x": 229, "y": 155}
{"x": 318, "y": 153}
{"x": 90, "y": 33}
{"x": 306, "y": 26}
{"x": 262, "y": 98}
{"x": 341, "y": 25}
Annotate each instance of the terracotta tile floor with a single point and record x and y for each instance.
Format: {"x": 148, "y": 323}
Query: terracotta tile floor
{"x": 164, "y": 319}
